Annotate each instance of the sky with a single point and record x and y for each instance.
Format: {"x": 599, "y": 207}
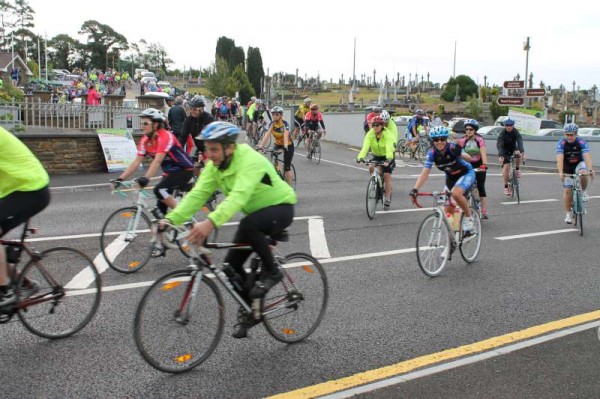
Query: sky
{"x": 391, "y": 37}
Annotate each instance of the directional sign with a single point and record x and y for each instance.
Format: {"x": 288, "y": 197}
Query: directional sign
{"x": 535, "y": 92}
{"x": 515, "y": 101}
{"x": 514, "y": 84}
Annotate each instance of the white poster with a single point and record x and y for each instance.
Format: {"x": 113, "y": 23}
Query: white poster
{"x": 119, "y": 148}
{"x": 525, "y": 123}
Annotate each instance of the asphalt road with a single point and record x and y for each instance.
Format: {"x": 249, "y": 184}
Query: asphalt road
{"x": 386, "y": 320}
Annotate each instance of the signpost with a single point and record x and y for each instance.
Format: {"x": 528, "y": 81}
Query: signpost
{"x": 535, "y": 92}
{"x": 514, "y": 101}
{"x": 514, "y": 84}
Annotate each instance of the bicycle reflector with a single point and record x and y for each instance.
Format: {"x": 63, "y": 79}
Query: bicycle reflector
{"x": 183, "y": 358}
{"x": 170, "y": 286}
{"x": 308, "y": 269}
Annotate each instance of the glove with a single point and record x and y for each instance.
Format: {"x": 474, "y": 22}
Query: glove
{"x": 414, "y": 193}
{"x": 359, "y": 160}
{"x": 142, "y": 181}
{"x": 116, "y": 182}
{"x": 483, "y": 167}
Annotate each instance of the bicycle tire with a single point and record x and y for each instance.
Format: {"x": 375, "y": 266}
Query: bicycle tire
{"x": 371, "y": 197}
{"x": 578, "y": 211}
{"x": 317, "y": 152}
{"x": 68, "y": 295}
{"x": 475, "y": 201}
{"x": 294, "y": 176}
{"x": 433, "y": 245}
{"x": 167, "y": 343}
{"x": 421, "y": 151}
{"x": 516, "y": 185}
{"x": 133, "y": 246}
{"x": 293, "y": 309}
{"x": 471, "y": 245}
{"x": 399, "y": 148}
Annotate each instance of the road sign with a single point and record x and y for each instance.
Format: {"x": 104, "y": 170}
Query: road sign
{"x": 514, "y": 101}
{"x": 514, "y": 84}
{"x": 536, "y": 92}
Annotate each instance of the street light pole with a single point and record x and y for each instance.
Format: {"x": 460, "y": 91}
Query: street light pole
{"x": 526, "y": 47}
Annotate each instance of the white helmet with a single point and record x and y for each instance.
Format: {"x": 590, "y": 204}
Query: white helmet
{"x": 385, "y": 116}
{"x": 306, "y": 100}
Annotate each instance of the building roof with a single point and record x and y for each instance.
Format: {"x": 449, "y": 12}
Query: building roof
{"x": 6, "y": 60}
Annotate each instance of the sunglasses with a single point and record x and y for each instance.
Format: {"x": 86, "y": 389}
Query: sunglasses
{"x": 508, "y": 125}
{"x": 146, "y": 123}
{"x": 376, "y": 124}
{"x": 277, "y": 113}
{"x": 438, "y": 139}
{"x": 569, "y": 134}
{"x": 469, "y": 129}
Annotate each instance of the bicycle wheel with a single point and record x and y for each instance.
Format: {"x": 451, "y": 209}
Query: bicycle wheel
{"x": 404, "y": 150}
{"x": 470, "y": 245}
{"x": 433, "y": 245}
{"x": 126, "y": 240}
{"x": 317, "y": 152}
{"x": 421, "y": 151}
{"x": 293, "y": 309}
{"x": 371, "y": 197}
{"x": 578, "y": 210}
{"x": 173, "y": 331}
{"x": 516, "y": 184}
{"x": 475, "y": 201}
{"x": 293, "y": 170}
{"x": 68, "y": 295}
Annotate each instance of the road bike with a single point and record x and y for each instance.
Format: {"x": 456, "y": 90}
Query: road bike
{"x": 437, "y": 239}
{"x": 514, "y": 183}
{"x": 129, "y": 238}
{"x": 577, "y": 200}
{"x": 279, "y": 165}
{"x": 405, "y": 152}
{"x": 58, "y": 290}
{"x": 375, "y": 188}
{"x": 179, "y": 320}
{"x": 314, "y": 151}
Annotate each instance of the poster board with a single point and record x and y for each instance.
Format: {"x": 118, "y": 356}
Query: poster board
{"x": 118, "y": 147}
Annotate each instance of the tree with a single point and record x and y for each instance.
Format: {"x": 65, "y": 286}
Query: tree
{"x": 466, "y": 87}
{"x": 473, "y": 107}
{"x": 157, "y": 57}
{"x": 497, "y": 110}
{"x": 240, "y": 83}
{"x": 255, "y": 69}
{"x": 224, "y": 47}
{"x": 236, "y": 57}
{"x": 24, "y": 14}
{"x": 64, "y": 51}
{"x": 216, "y": 82}
{"x": 101, "y": 38}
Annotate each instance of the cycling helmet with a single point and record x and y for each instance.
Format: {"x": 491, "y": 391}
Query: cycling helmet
{"x": 258, "y": 101}
{"x": 377, "y": 108}
{"x": 252, "y": 98}
{"x": 197, "y": 103}
{"x": 419, "y": 112}
{"x": 473, "y": 123}
{"x": 438, "y": 131}
{"x": 154, "y": 115}
{"x": 277, "y": 109}
{"x": 222, "y": 132}
{"x": 314, "y": 107}
{"x": 377, "y": 119}
{"x": 509, "y": 122}
{"x": 385, "y": 116}
{"x": 571, "y": 128}
{"x": 307, "y": 100}
{"x": 170, "y": 98}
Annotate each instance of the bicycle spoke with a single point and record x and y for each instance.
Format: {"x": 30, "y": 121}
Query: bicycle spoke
{"x": 433, "y": 245}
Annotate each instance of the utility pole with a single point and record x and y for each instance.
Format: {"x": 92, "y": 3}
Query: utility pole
{"x": 454, "y": 68}
{"x": 526, "y": 47}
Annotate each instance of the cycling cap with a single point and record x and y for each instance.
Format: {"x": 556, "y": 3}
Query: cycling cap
{"x": 197, "y": 103}
{"x": 473, "y": 123}
{"x": 571, "y": 128}
{"x": 385, "y": 116}
{"x": 509, "y": 121}
{"x": 154, "y": 114}
{"x": 438, "y": 131}
{"x": 277, "y": 109}
{"x": 222, "y": 132}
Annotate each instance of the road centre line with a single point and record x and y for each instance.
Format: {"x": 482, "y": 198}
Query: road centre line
{"x": 398, "y": 373}
{"x": 529, "y": 201}
{"x": 541, "y": 233}
{"x": 317, "y": 239}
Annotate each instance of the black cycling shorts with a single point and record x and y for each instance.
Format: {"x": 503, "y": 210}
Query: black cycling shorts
{"x": 20, "y": 206}
{"x": 386, "y": 169}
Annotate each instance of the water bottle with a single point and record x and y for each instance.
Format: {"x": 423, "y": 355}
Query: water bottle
{"x": 233, "y": 277}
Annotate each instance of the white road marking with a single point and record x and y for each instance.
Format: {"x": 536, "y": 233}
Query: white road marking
{"x": 407, "y": 210}
{"x": 530, "y": 201}
{"x": 318, "y": 242}
{"x": 540, "y": 233}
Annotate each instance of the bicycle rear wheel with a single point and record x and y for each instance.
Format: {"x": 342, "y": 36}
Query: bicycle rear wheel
{"x": 173, "y": 331}
{"x": 68, "y": 295}
{"x": 421, "y": 151}
{"x": 126, "y": 240}
{"x": 470, "y": 245}
{"x": 433, "y": 245}
{"x": 371, "y": 197}
{"x": 293, "y": 309}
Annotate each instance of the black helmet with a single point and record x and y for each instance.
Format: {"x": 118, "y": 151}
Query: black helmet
{"x": 197, "y": 103}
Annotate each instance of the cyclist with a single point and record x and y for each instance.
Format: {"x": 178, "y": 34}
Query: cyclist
{"x": 312, "y": 120}
{"x": 474, "y": 145}
{"x": 224, "y": 110}
{"x": 390, "y": 125}
{"x": 234, "y": 105}
{"x": 379, "y": 140}
{"x": 253, "y": 118}
{"x": 572, "y": 156}
{"x": 414, "y": 127}
{"x": 193, "y": 126}
{"x": 369, "y": 117}
{"x": 23, "y": 194}
{"x": 251, "y": 185}
{"x": 280, "y": 130}
{"x": 166, "y": 153}
{"x": 450, "y": 159}
{"x": 299, "y": 117}
{"x": 510, "y": 142}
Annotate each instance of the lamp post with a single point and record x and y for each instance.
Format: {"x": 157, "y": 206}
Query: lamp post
{"x": 526, "y": 47}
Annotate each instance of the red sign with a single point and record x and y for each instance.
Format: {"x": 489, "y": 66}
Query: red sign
{"x": 515, "y": 101}
{"x": 536, "y": 92}
{"x": 514, "y": 84}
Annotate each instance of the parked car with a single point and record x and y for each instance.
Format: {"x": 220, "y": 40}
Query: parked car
{"x": 404, "y": 119}
{"x": 148, "y": 79}
{"x": 551, "y": 132}
{"x": 589, "y": 132}
{"x": 490, "y": 131}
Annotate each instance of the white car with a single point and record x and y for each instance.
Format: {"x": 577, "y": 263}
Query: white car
{"x": 148, "y": 79}
{"x": 490, "y": 131}
{"x": 589, "y": 132}
{"x": 551, "y": 132}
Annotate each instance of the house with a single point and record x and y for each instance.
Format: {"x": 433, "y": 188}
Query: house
{"x": 6, "y": 65}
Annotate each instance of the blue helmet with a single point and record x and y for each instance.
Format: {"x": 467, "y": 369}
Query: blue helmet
{"x": 509, "y": 121}
{"x": 473, "y": 123}
{"x": 571, "y": 128}
{"x": 439, "y": 131}
{"x": 222, "y": 132}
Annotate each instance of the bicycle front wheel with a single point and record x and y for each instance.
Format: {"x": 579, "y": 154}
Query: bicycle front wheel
{"x": 433, "y": 245}
{"x": 293, "y": 309}
{"x": 516, "y": 185}
{"x": 471, "y": 244}
{"x": 174, "y": 329}
{"x": 59, "y": 294}
{"x": 371, "y": 198}
{"x": 317, "y": 152}
{"x": 293, "y": 170}
{"x": 126, "y": 240}
{"x": 578, "y": 210}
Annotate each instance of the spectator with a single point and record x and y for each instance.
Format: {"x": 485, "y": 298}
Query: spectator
{"x": 14, "y": 75}
{"x": 177, "y": 116}
{"x": 93, "y": 97}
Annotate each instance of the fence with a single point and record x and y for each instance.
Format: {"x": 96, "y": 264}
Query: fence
{"x": 77, "y": 116}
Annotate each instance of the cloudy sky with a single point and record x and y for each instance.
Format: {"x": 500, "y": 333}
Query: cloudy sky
{"x": 391, "y": 37}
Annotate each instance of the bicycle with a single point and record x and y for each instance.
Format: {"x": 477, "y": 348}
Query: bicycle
{"x": 514, "y": 183}
{"x": 278, "y": 163}
{"x": 179, "y": 320}
{"x": 437, "y": 240}
{"x": 375, "y": 188}
{"x": 473, "y": 196}
{"x": 577, "y": 202}
{"x": 136, "y": 239}
{"x": 405, "y": 152}
{"x": 58, "y": 290}
{"x": 314, "y": 152}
